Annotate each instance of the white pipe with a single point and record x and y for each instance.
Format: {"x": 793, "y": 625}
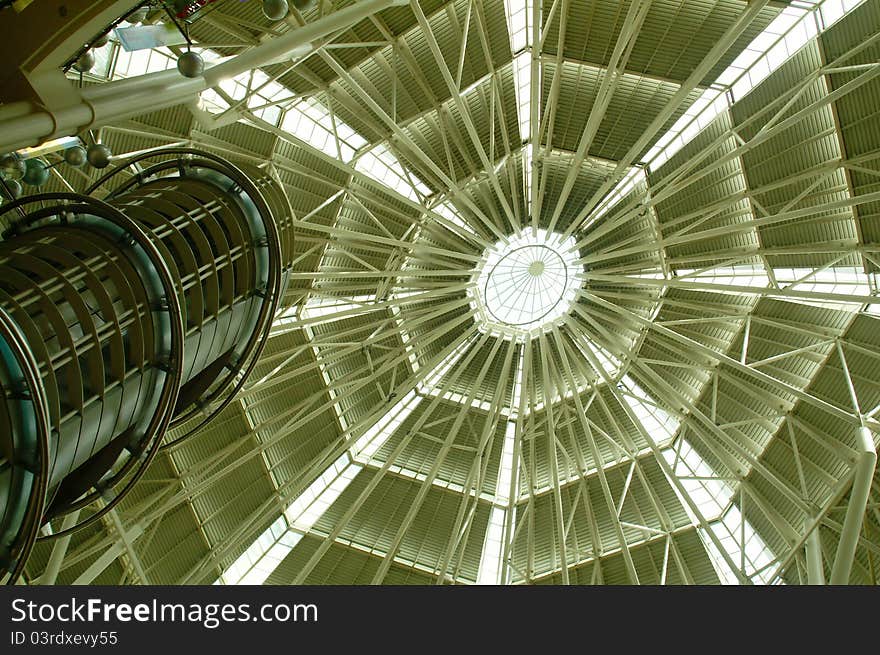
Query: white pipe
{"x": 283, "y": 45}
{"x": 59, "y": 550}
{"x": 138, "y": 83}
{"x": 14, "y": 110}
{"x": 126, "y": 98}
{"x": 815, "y": 568}
{"x": 855, "y": 512}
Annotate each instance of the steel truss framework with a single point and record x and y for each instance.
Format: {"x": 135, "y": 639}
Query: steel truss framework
{"x": 700, "y": 414}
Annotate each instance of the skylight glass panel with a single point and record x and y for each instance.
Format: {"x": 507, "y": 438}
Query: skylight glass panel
{"x": 308, "y": 507}
{"x": 255, "y": 89}
{"x": 874, "y": 282}
{"x": 710, "y": 495}
{"x": 757, "y": 71}
{"x": 631, "y": 180}
{"x": 256, "y": 563}
{"x": 527, "y": 174}
{"x": 266, "y": 97}
{"x": 505, "y": 474}
{"x": 435, "y": 482}
{"x": 713, "y": 497}
{"x": 333, "y": 308}
{"x": 522, "y": 76}
{"x": 141, "y": 62}
{"x": 431, "y": 381}
{"x": 528, "y": 282}
{"x": 404, "y": 336}
{"x": 519, "y": 18}
{"x": 489, "y": 572}
{"x": 833, "y": 10}
{"x": 842, "y": 280}
{"x": 516, "y": 396}
{"x": 310, "y": 121}
{"x": 212, "y": 102}
{"x": 744, "y": 546}
{"x": 743, "y": 275}
{"x": 235, "y": 88}
{"x": 838, "y": 280}
{"x": 375, "y": 437}
{"x": 263, "y": 556}
{"x": 658, "y": 423}
{"x": 451, "y": 214}
{"x": 703, "y": 111}
{"x": 792, "y": 28}
{"x": 380, "y": 164}
{"x": 462, "y": 399}
{"x": 609, "y": 363}
{"x": 103, "y": 67}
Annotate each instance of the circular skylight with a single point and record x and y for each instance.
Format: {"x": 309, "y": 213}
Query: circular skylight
{"x": 528, "y": 282}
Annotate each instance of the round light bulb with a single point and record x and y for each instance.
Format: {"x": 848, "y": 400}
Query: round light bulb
{"x": 275, "y": 9}
{"x": 190, "y": 64}
{"x": 98, "y": 155}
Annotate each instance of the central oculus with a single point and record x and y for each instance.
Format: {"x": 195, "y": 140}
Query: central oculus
{"x": 528, "y": 281}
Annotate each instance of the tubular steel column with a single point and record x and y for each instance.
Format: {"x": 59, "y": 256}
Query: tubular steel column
{"x": 863, "y": 476}
{"x": 121, "y": 317}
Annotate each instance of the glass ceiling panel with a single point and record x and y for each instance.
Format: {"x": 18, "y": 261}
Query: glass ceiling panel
{"x": 785, "y": 35}
{"x": 519, "y": 18}
{"x": 383, "y": 166}
{"x": 710, "y": 493}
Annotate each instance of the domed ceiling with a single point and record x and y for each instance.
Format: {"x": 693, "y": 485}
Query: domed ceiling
{"x": 585, "y": 292}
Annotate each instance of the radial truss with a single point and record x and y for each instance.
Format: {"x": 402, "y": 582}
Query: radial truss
{"x": 692, "y": 417}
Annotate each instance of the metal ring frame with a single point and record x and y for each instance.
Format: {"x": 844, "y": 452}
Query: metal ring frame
{"x": 13, "y": 338}
{"x": 510, "y": 254}
{"x": 152, "y": 438}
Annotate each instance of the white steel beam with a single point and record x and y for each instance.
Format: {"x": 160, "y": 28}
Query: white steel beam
{"x": 815, "y": 567}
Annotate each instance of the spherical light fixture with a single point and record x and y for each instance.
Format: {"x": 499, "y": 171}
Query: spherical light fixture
{"x": 11, "y": 167}
{"x": 190, "y": 64}
{"x": 85, "y": 63}
{"x": 11, "y": 189}
{"x": 275, "y": 9}
{"x": 98, "y": 155}
{"x": 75, "y": 156}
{"x": 36, "y": 172}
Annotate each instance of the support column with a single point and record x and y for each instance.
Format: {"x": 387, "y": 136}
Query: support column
{"x": 855, "y": 511}
{"x": 815, "y": 567}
